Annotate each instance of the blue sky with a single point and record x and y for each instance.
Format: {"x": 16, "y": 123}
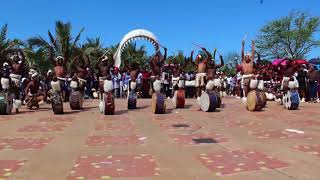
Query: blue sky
{"x": 218, "y": 24}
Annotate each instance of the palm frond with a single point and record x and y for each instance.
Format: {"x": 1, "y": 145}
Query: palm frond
{"x": 78, "y": 37}
{"x": 3, "y": 34}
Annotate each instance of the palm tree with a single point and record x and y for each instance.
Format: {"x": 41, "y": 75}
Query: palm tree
{"x": 7, "y": 46}
{"x": 135, "y": 54}
{"x": 62, "y": 43}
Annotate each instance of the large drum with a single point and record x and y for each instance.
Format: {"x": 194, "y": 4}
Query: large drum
{"x": 107, "y": 105}
{"x": 218, "y": 94}
{"x": 6, "y": 103}
{"x": 255, "y": 100}
{"x": 132, "y": 100}
{"x": 208, "y": 101}
{"x": 57, "y": 103}
{"x": 264, "y": 98}
{"x": 179, "y": 98}
{"x": 291, "y": 100}
{"x": 158, "y": 103}
{"x": 76, "y": 100}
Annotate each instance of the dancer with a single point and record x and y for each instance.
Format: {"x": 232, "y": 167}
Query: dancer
{"x": 103, "y": 66}
{"x": 201, "y": 65}
{"x": 156, "y": 63}
{"x": 33, "y": 93}
{"x": 247, "y": 69}
{"x": 289, "y": 81}
{"x": 134, "y": 71}
{"x": 17, "y": 71}
{"x": 213, "y": 80}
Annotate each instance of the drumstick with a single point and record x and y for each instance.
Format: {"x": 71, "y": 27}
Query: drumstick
{"x": 161, "y": 46}
{"x": 105, "y": 53}
{"x": 197, "y": 45}
{"x": 245, "y": 37}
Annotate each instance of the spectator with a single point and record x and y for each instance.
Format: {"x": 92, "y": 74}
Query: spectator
{"x": 116, "y": 82}
{"x": 313, "y": 81}
{"x": 302, "y": 76}
{"x": 139, "y": 84}
{"x": 165, "y": 79}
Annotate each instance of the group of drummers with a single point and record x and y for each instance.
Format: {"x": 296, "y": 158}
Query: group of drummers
{"x": 17, "y": 87}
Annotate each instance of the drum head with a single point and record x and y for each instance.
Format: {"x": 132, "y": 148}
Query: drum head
{"x": 205, "y": 101}
{"x": 251, "y": 100}
{"x": 287, "y": 100}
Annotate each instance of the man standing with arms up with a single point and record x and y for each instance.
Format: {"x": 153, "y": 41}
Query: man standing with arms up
{"x": 247, "y": 69}
{"x": 156, "y": 63}
{"x": 201, "y": 65}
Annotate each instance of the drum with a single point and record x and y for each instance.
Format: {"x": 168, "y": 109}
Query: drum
{"x": 255, "y": 100}
{"x": 158, "y": 103}
{"x": 109, "y": 105}
{"x": 76, "y": 100}
{"x": 291, "y": 100}
{"x": 208, "y": 101}
{"x": 179, "y": 98}
{"x": 132, "y": 100}
{"x": 218, "y": 94}
{"x": 264, "y": 98}
{"x": 6, "y": 103}
{"x": 57, "y": 103}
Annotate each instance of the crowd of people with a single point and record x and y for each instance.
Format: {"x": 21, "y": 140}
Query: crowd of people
{"x": 26, "y": 82}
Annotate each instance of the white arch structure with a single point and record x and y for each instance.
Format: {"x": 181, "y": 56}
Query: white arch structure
{"x": 132, "y": 36}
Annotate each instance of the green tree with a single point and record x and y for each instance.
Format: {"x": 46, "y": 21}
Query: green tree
{"x": 62, "y": 42}
{"x": 292, "y": 36}
{"x": 135, "y": 54}
{"x": 7, "y": 46}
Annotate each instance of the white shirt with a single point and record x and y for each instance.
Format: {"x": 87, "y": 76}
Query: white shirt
{"x": 116, "y": 80}
{"x": 139, "y": 77}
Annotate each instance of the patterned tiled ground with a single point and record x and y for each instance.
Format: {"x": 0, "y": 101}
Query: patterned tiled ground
{"x": 43, "y": 127}
{"x": 105, "y": 167}
{"x": 230, "y": 162}
{"x": 120, "y": 125}
{"x": 5, "y": 118}
{"x": 114, "y": 140}
{"x": 240, "y": 124}
{"x": 277, "y": 134}
{"x": 171, "y": 140}
{"x": 311, "y": 149}
{"x": 9, "y": 167}
{"x": 23, "y": 143}
{"x": 57, "y": 119}
{"x": 303, "y": 123}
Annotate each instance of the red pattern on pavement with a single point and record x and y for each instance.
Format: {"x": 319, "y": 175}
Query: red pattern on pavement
{"x": 43, "y": 127}
{"x": 303, "y": 123}
{"x": 8, "y": 167}
{"x": 311, "y": 149}
{"x": 23, "y": 143}
{"x": 105, "y": 167}
{"x": 57, "y": 119}
{"x": 115, "y": 126}
{"x": 114, "y": 140}
{"x": 277, "y": 134}
{"x": 240, "y": 124}
{"x": 231, "y": 162}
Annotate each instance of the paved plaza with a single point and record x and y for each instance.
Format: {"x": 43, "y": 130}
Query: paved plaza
{"x": 184, "y": 144}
